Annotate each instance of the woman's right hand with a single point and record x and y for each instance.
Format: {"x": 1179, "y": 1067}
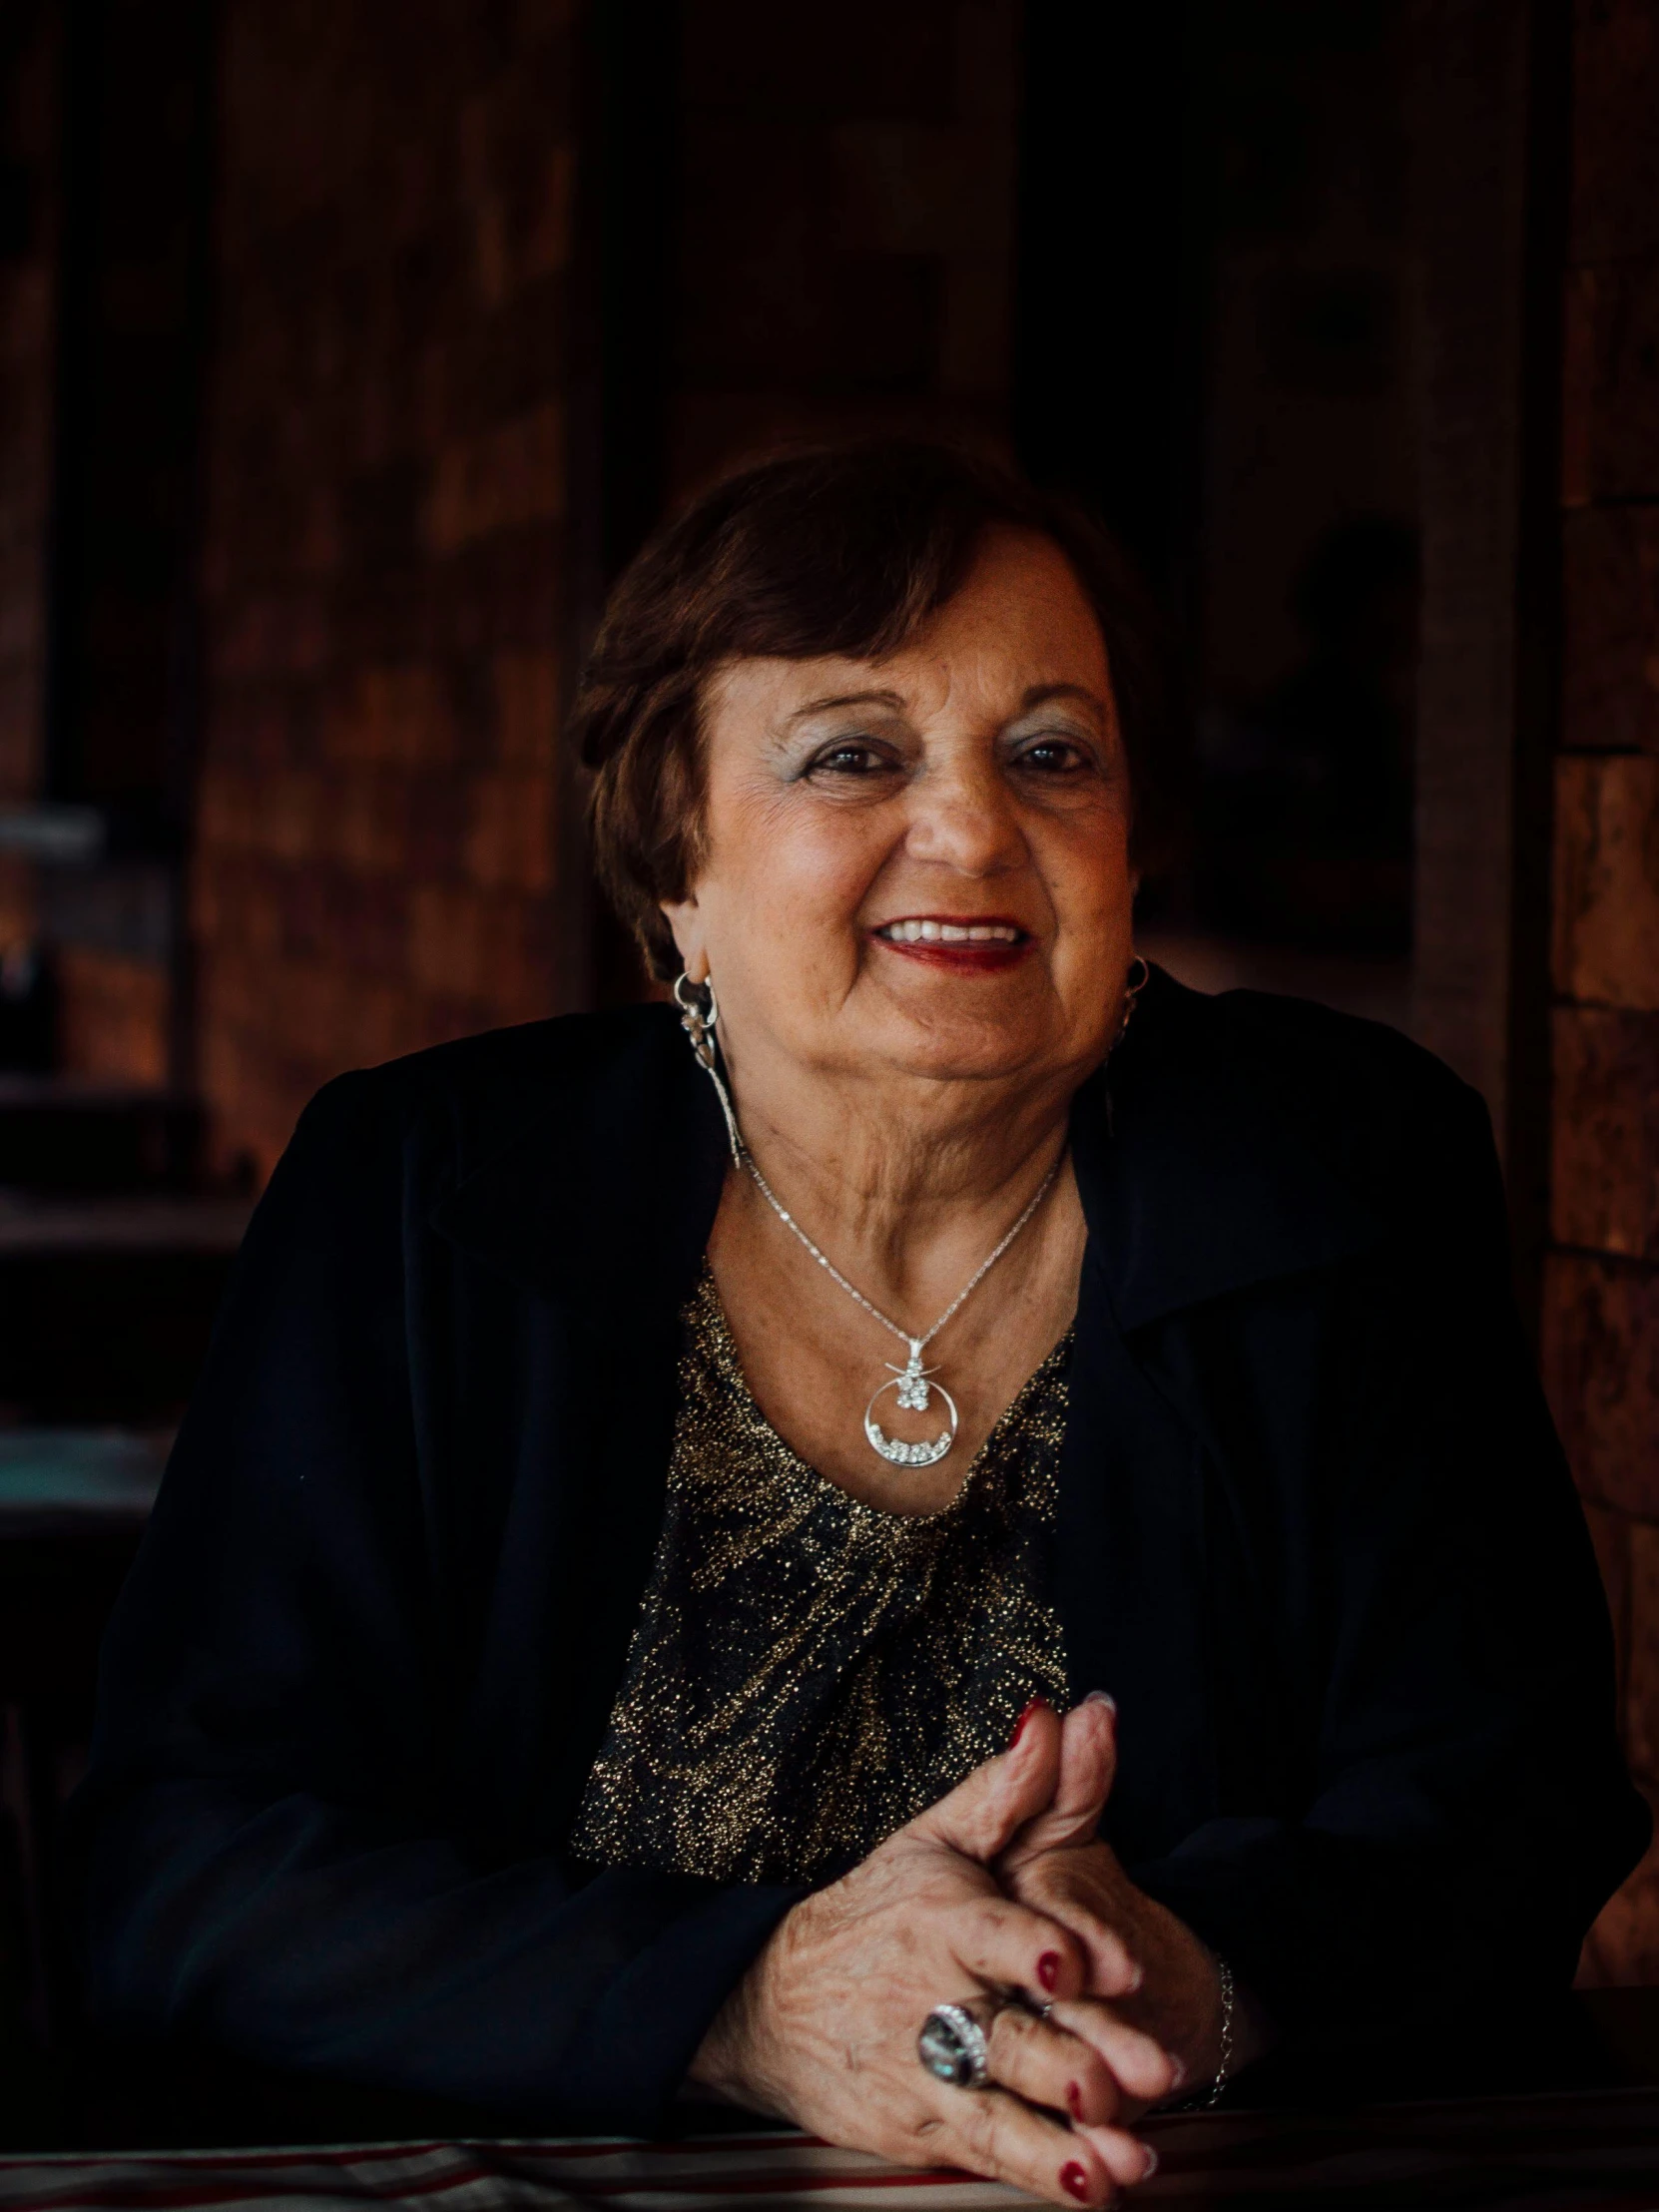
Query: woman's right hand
{"x": 823, "y": 2028}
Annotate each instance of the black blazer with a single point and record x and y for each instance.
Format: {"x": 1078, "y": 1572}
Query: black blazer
{"x": 1314, "y": 1534}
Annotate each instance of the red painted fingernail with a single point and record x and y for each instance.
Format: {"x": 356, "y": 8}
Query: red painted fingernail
{"x": 1075, "y": 2182}
{"x": 1048, "y": 1968}
{"x": 1074, "y": 2100}
{"x": 1151, "y": 2162}
{"x": 1035, "y": 1705}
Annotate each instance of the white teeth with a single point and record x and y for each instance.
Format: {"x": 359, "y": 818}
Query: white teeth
{"x": 949, "y": 932}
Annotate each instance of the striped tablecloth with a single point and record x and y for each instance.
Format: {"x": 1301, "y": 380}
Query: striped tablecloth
{"x": 1536, "y": 2154}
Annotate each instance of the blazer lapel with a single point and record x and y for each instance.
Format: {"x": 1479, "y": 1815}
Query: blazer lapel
{"x": 600, "y": 1194}
{"x": 1200, "y": 1177}
{"x": 1128, "y": 1577}
{"x": 596, "y": 1205}
{"x": 1200, "y": 1167}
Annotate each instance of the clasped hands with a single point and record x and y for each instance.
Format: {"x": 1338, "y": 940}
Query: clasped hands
{"x": 1002, "y": 1889}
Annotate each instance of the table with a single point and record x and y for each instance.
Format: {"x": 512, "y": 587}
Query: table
{"x": 1585, "y": 2152}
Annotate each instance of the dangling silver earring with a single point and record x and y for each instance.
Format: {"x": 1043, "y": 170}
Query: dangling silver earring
{"x": 697, "y": 1021}
{"x": 1131, "y": 991}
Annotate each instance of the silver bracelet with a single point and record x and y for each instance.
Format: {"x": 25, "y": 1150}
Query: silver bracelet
{"x": 1202, "y": 2100}
{"x": 1223, "y": 2060}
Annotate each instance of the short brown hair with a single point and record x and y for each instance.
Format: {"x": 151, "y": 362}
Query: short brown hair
{"x": 844, "y": 549}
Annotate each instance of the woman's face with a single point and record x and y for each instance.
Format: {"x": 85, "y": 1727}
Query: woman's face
{"x": 919, "y": 866}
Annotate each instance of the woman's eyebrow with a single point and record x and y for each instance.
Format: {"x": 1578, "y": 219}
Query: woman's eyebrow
{"x": 1040, "y": 694}
{"x": 847, "y": 699}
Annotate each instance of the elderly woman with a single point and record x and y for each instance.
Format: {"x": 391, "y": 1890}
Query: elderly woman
{"x": 636, "y": 1609}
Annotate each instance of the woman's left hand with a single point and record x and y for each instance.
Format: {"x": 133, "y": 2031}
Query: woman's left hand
{"x": 1146, "y": 1964}
{"x": 823, "y": 2028}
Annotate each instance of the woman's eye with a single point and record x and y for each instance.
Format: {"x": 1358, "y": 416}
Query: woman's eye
{"x": 851, "y": 758}
{"x": 1053, "y": 757}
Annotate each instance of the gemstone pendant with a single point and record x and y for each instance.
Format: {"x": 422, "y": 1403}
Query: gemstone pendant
{"x": 913, "y": 1391}
{"x": 912, "y": 1383}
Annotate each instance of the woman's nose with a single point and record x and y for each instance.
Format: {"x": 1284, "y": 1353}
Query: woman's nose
{"x": 964, "y": 819}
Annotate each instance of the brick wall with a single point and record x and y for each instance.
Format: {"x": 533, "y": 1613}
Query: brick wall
{"x": 846, "y": 222}
{"x": 26, "y": 217}
{"x": 1601, "y": 1298}
{"x": 388, "y": 547}
{"x": 385, "y": 540}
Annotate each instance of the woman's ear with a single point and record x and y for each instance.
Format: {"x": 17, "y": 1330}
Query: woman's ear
{"x": 685, "y": 919}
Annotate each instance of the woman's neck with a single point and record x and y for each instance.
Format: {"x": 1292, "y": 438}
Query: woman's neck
{"x": 907, "y": 1182}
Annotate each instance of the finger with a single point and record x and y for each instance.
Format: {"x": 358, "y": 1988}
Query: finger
{"x": 1113, "y": 1968}
{"x": 1046, "y": 2064}
{"x": 1137, "y": 2062}
{"x": 981, "y": 1814}
{"x": 1008, "y": 1946}
{"x": 1087, "y": 1770}
{"x": 989, "y": 2132}
{"x": 1088, "y": 1760}
{"x": 1124, "y": 2157}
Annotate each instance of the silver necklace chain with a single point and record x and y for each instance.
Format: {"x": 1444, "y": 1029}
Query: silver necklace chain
{"x": 917, "y": 1345}
{"x": 913, "y": 1383}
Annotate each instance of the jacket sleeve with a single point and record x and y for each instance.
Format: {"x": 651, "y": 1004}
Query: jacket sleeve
{"x": 1442, "y": 1663}
{"x": 271, "y": 1856}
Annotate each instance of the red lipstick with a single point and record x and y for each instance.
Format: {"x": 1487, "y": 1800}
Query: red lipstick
{"x": 959, "y": 956}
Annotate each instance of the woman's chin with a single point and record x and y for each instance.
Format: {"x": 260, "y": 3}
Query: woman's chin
{"x": 952, "y": 1045}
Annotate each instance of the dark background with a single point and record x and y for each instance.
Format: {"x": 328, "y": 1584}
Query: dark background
{"x": 350, "y": 347}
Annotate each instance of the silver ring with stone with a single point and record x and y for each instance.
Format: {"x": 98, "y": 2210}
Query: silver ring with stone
{"x": 955, "y": 2047}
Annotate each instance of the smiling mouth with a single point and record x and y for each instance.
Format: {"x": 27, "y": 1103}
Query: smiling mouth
{"x": 934, "y": 929}
{"x": 970, "y": 943}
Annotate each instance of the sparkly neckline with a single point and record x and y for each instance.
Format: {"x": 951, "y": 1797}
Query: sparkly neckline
{"x": 808, "y": 1672}
{"x": 705, "y": 1308}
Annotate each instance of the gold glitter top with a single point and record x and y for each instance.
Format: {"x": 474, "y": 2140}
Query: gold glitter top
{"x": 809, "y": 1672}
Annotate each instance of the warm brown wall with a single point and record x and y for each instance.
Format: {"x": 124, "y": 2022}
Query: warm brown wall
{"x": 388, "y": 570}
{"x": 385, "y": 540}
{"x": 1601, "y": 1298}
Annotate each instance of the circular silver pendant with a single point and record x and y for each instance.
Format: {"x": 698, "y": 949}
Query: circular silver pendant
{"x": 911, "y": 1456}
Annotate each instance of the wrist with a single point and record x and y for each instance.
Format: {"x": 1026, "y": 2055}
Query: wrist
{"x": 1209, "y": 2052}
{"x": 1237, "y": 2033}
{"x": 718, "y": 2067}
{"x": 1224, "y": 2031}
{"x": 729, "y": 2065}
